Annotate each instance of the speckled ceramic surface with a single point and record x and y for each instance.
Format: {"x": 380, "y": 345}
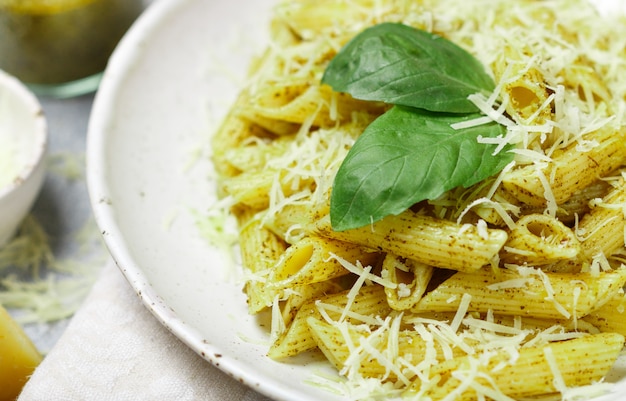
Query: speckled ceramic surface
{"x": 23, "y": 145}
{"x": 164, "y": 92}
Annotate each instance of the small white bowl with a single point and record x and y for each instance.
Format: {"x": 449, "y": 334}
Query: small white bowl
{"x": 23, "y": 146}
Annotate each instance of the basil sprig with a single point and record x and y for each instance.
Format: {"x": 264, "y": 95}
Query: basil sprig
{"x": 411, "y": 152}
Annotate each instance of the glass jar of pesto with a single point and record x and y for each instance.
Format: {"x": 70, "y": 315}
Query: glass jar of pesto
{"x": 60, "y": 47}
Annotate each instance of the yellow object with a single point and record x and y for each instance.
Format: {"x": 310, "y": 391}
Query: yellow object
{"x": 42, "y": 6}
{"x": 18, "y": 357}
{"x": 51, "y": 42}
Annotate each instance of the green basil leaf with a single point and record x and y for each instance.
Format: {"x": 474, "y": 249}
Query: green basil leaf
{"x": 408, "y": 155}
{"x": 398, "y": 64}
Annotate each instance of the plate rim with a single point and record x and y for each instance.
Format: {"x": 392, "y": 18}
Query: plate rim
{"x": 120, "y": 61}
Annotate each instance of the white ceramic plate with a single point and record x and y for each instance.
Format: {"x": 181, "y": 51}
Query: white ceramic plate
{"x": 166, "y": 88}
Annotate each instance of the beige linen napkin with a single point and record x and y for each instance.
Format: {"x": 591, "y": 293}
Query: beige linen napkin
{"x": 114, "y": 349}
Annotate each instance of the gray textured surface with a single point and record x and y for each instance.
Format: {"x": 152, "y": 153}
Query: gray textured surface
{"x": 63, "y": 209}
{"x": 63, "y": 204}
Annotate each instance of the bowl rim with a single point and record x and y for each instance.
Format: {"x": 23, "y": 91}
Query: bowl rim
{"x": 27, "y": 97}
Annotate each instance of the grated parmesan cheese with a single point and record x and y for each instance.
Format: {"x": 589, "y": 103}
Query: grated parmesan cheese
{"x": 559, "y": 383}
{"x": 579, "y": 62}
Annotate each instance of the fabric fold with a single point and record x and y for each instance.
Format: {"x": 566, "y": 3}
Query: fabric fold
{"x": 114, "y": 349}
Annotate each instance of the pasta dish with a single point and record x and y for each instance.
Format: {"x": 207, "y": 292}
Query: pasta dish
{"x": 504, "y": 278}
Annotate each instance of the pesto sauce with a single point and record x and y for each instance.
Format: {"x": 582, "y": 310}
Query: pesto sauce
{"x": 73, "y": 40}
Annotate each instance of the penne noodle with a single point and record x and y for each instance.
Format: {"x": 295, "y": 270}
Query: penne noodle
{"x": 585, "y": 81}
{"x": 576, "y": 206}
{"x": 602, "y": 229}
{"x": 569, "y": 171}
{"x": 610, "y": 317}
{"x": 260, "y": 250}
{"x": 411, "y": 280}
{"x": 527, "y": 94}
{"x": 253, "y": 189}
{"x": 307, "y": 293}
{"x": 370, "y": 301}
{"x": 233, "y": 132}
{"x": 312, "y": 260}
{"x": 539, "y": 240}
{"x": 426, "y": 240}
{"x": 540, "y": 370}
{"x": 367, "y": 350}
{"x": 529, "y": 292}
{"x": 300, "y": 103}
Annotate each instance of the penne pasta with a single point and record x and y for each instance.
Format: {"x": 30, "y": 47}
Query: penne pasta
{"x": 302, "y": 103}
{"x": 610, "y": 317}
{"x": 427, "y": 240}
{"x": 410, "y": 278}
{"x": 505, "y": 287}
{"x": 528, "y": 292}
{"x": 253, "y": 189}
{"x": 260, "y": 250}
{"x": 602, "y": 229}
{"x": 568, "y": 171}
{"x": 576, "y": 206}
{"x": 527, "y": 94}
{"x": 369, "y": 353}
{"x": 307, "y": 293}
{"x": 539, "y": 240}
{"x": 314, "y": 259}
{"x": 233, "y": 132}
{"x": 535, "y": 371}
{"x": 370, "y": 301}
